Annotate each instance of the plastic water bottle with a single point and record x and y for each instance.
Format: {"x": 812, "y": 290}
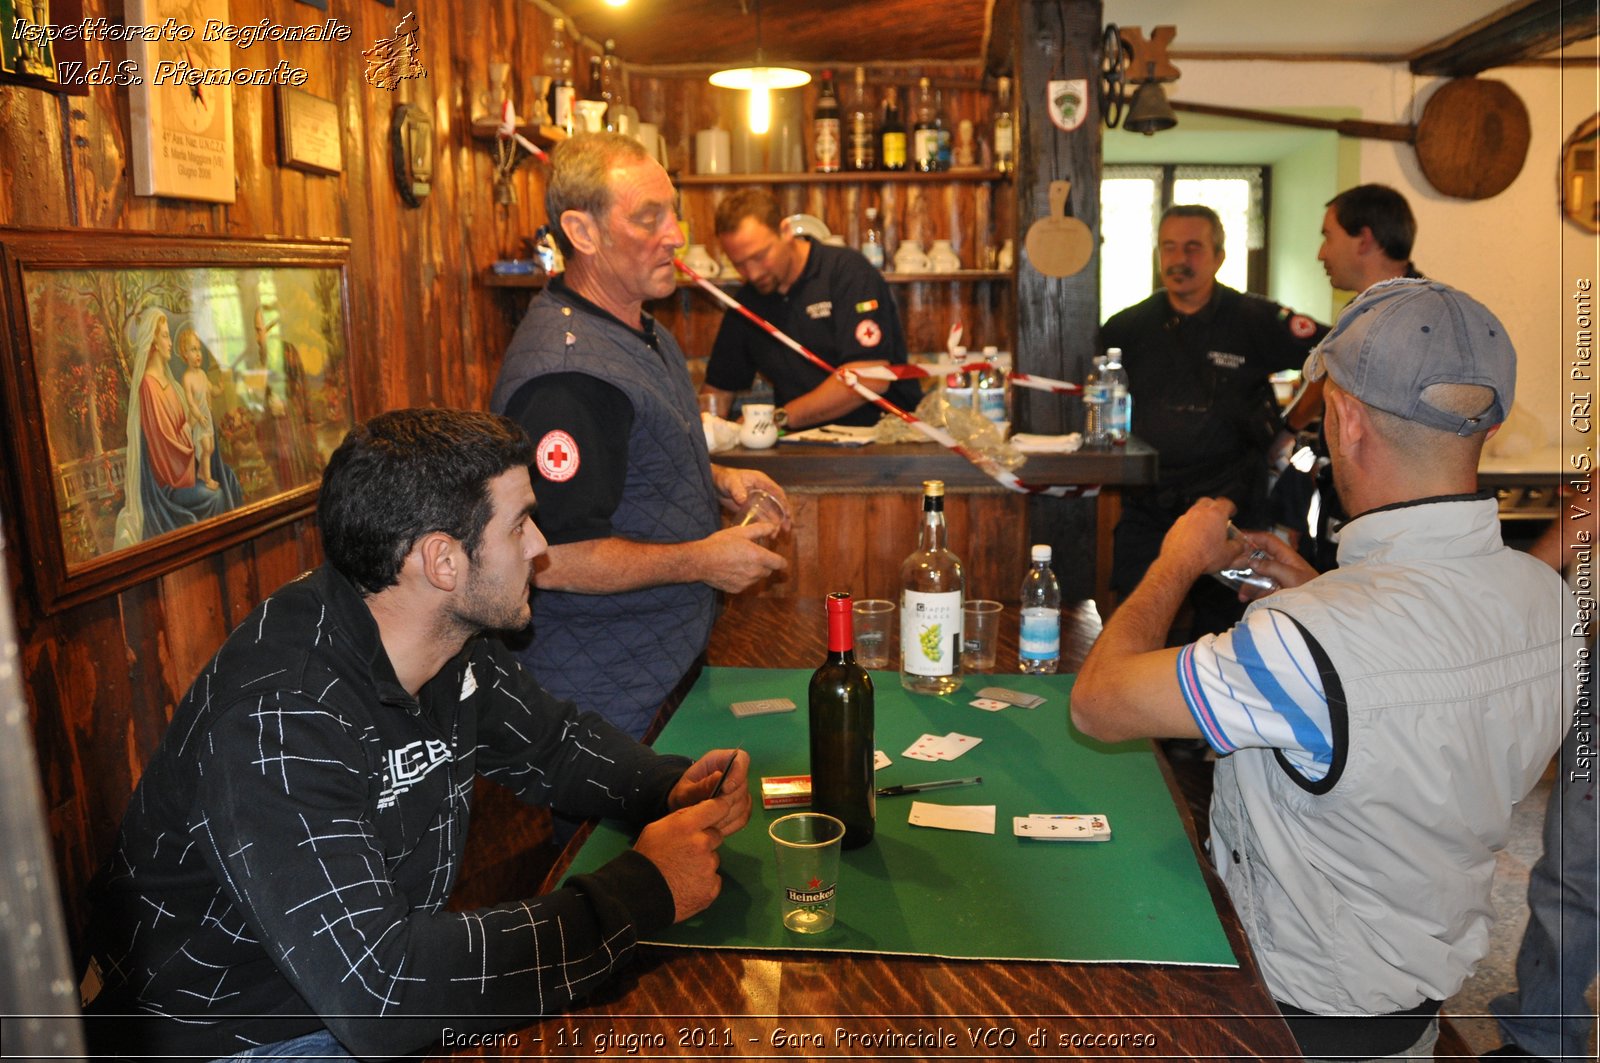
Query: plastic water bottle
{"x": 1040, "y": 644}
{"x": 1119, "y": 403}
{"x": 991, "y": 391}
{"x": 1095, "y": 434}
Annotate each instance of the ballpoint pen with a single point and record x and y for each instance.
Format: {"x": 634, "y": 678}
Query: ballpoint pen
{"x": 725, "y": 769}
{"x": 918, "y": 787}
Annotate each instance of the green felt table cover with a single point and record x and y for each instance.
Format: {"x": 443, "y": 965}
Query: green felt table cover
{"x": 1139, "y": 897}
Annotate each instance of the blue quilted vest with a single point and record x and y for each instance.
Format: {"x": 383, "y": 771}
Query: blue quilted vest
{"x": 621, "y": 654}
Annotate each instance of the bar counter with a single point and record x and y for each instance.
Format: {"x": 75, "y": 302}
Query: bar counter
{"x": 715, "y": 1003}
{"x": 908, "y": 464}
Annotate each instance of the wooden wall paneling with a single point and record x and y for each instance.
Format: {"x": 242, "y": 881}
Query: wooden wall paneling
{"x": 31, "y": 157}
{"x": 191, "y": 601}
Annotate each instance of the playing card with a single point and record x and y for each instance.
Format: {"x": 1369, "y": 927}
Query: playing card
{"x": 1012, "y": 697}
{"x": 1092, "y": 828}
{"x": 880, "y": 760}
{"x": 761, "y": 707}
{"x": 928, "y": 747}
{"x": 979, "y": 819}
{"x": 990, "y": 704}
{"x": 956, "y": 744}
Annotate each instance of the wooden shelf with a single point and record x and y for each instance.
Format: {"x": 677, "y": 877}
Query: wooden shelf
{"x": 963, "y": 276}
{"x": 546, "y": 136}
{"x": 490, "y": 279}
{"x": 842, "y": 177}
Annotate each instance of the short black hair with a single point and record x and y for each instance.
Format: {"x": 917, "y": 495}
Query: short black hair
{"x": 404, "y": 474}
{"x": 754, "y": 203}
{"x": 1381, "y": 209}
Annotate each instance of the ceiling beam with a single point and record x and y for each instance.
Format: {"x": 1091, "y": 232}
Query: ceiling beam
{"x": 1000, "y": 37}
{"x": 1524, "y": 31}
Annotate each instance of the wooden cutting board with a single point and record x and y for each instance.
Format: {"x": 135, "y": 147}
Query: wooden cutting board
{"x": 1059, "y": 245}
{"x": 1473, "y": 138}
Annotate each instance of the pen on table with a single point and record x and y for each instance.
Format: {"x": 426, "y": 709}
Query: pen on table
{"x": 918, "y": 787}
{"x": 725, "y": 769}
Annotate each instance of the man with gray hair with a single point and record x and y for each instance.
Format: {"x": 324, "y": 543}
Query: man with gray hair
{"x": 1374, "y": 724}
{"x": 1198, "y": 355}
{"x": 628, "y": 497}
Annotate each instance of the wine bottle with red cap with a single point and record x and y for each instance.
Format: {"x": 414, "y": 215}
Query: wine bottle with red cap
{"x": 842, "y": 746}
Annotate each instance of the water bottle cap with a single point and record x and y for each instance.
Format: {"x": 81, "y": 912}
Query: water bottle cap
{"x": 1041, "y": 552}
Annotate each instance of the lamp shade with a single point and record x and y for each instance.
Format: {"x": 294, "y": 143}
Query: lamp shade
{"x": 766, "y": 77}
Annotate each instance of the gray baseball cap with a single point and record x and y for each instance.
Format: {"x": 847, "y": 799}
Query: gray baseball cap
{"x": 1399, "y": 337}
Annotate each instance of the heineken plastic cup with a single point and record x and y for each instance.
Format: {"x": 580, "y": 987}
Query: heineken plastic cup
{"x": 807, "y": 847}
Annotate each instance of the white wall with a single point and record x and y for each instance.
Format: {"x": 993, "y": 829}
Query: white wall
{"x": 1513, "y": 252}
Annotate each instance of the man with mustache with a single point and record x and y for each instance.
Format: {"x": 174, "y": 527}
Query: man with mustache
{"x": 1198, "y": 355}
{"x": 628, "y": 497}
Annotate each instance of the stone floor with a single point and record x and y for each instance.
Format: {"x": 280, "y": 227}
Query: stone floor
{"x": 1468, "y": 1010}
{"x": 1496, "y": 973}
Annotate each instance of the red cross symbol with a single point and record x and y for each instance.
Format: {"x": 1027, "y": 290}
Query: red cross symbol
{"x": 556, "y": 456}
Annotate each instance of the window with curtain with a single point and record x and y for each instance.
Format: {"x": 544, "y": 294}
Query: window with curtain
{"x": 1131, "y": 201}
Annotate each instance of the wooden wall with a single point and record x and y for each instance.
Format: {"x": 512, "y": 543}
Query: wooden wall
{"x": 103, "y": 678}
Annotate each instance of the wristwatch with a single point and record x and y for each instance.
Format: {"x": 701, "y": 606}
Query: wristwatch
{"x": 780, "y": 417}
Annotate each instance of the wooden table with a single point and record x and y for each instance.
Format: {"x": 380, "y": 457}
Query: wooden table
{"x": 733, "y": 1005}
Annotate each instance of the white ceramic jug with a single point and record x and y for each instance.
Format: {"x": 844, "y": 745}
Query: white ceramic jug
{"x": 699, "y": 259}
{"x": 908, "y": 258}
{"x": 942, "y": 258}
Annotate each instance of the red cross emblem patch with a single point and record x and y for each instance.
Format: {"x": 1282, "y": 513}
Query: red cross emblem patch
{"x": 1302, "y": 327}
{"x": 868, "y": 333}
{"x": 556, "y": 457}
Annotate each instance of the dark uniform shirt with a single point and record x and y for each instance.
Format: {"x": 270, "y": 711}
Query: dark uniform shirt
{"x": 1202, "y": 399}
{"x": 839, "y": 308}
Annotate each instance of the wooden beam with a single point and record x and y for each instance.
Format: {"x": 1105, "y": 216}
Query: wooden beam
{"x": 1525, "y": 31}
{"x": 1000, "y": 38}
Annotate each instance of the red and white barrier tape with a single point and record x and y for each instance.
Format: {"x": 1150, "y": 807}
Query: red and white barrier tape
{"x": 985, "y": 464}
{"x": 938, "y": 369}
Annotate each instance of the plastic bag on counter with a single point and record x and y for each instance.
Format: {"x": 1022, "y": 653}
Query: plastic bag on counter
{"x": 970, "y": 428}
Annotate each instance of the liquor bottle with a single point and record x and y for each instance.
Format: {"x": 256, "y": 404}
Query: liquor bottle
{"x": 842, "y": 742}
{"x": 1095, "y": 435}
{"x": 825, "y": 127}
{"x": 558, "y": 65}
{"x": 872, "y": 245}
{"x": 930, "y": 605}
{"x": 611, "y": 86}
{"x": 892, "y": 135}
{"x": 924, "y": 130}
{"x": 1005, "y": 143}
{"x": 1039, "y": 648}
{"x": 861, "y": 139}
{"x": 941, "y": 128}
{"x": 1119, "y": 403}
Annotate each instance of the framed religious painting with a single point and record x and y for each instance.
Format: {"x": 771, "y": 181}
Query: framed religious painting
{"x": 168, "y": 396}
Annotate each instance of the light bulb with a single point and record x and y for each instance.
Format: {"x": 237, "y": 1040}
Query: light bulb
{"x": 760, "y": 107}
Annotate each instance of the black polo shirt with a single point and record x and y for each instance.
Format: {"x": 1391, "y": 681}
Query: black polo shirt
{"x": 1199, "y": 383}
{"x": 839, "y": 308}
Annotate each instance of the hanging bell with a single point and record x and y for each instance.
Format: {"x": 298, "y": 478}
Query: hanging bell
{"x": 1149, "y": 112}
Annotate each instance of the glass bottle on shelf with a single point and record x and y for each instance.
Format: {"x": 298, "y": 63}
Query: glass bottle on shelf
{"x": 558, "y": 67}
{"x": 611, "y": 88}
{"x": 872, "y": 243}
{"x": 892, "y": 135}
{"x": 825, "y": 127}
{"x": 861, "y": 138}
{"x": 1005, "y": 143}
{"x": 941, "y": 126}
{"x": 925, "y": 129}
{"x": 930, "y": 605}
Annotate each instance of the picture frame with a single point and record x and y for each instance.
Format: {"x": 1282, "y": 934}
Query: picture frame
{"x": 35, "y": 60}
{"x": 168, "y": 397}
{"x": 308, "y": 132}
{"x": 181, "y": 134}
